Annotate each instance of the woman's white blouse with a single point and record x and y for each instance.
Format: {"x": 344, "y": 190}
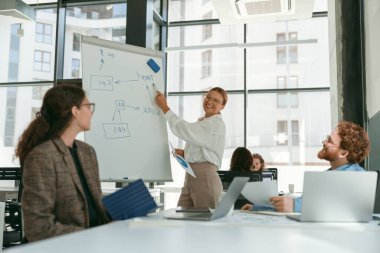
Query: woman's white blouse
{"x": 205, "y": 139}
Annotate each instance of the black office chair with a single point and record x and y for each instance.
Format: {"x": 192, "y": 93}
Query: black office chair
{"x": 12, "y": 234}
{"x": 226, "y": 176}
{"x": 274, "y": 172}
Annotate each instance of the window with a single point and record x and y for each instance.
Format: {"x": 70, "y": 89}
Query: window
{"x": 39, "y": 92}
{"x": 76, "y": 42}
{"x": 206, "y": 63}
{"x": 34, "y": 112}
{"x": 44, "y": 33}
{"x": 281, "y": 50}
{"x": 118, "y": 34}
{"x": 295, "y": 133}
{"x": 293, "y": 50}
{"x": 119, "y": 10}
{"x": 14, "y": 54}
{"x": 282, "y": 132}
{"x": 244, "y": 71}
{"x": 75, "y": 65}
{"x": 207, "y": 29}
{"x": 106, "y": 21}
{"x": 95, "y": 15}
{"x": 10, "y": 118}
{"x": 42, "y": 61}
{"x": 287, "y": 98}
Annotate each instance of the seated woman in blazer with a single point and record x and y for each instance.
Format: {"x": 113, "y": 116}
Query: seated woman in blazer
{"x": 61, "y": 187}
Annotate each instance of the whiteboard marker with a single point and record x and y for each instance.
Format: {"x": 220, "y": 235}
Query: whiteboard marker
{"x": 154, "y": 88}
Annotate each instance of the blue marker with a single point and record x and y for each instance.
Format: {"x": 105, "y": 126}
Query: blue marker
{"x": 153, "y": 65}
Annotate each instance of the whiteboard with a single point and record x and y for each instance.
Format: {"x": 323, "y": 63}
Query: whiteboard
{"x": 128, "y": 130}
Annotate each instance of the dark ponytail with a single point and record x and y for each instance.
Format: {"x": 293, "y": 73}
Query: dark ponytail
{"x": 53, "y": 118}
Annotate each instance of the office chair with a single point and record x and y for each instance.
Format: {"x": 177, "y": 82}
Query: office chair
{"x": 274, "y": 172}
{"x": 226, "y": 176}
{"x": 12, "y": 219}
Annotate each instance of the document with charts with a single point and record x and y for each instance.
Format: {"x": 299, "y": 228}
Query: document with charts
{"x": 184, "y": 164}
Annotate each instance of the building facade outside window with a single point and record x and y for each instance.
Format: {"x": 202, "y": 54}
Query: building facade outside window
{"x": 287, "y": 98}
{"x": 283, "y": 132}
{"x": 42, "y": 61}
{"x": 76, "y": 42}
{"x": 293, "y": 49}
{"x": 262, "y": 113}
{"x": 10, "y": 119}
{"x": 207, "y": 29}
{"x": 206, "y": 63}
{"x": 44, "y": 33}
{"x": 281, "y": 50}
{"x": 75, "y": 65}
{"x": 287, "y": 54}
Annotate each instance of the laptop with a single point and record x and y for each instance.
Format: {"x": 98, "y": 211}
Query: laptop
{"x": 223, "y": 208}
{"x": 338, "y": 196}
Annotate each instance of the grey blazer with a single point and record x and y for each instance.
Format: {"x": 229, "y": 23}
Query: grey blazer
{"x": 53, "y": 200}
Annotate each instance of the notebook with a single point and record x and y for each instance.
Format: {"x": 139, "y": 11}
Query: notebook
{"x": 134, "y": 200}
{"x": 338, "y": 196}
{"x": 223, "y": 208}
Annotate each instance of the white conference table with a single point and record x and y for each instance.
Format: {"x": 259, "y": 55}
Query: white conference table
{"x": 239, "y": 232}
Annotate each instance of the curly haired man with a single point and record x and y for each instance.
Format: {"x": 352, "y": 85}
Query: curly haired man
{"x": 345, "y": 148}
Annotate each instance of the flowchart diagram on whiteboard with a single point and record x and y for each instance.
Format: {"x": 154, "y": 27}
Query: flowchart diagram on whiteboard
{"x": 128, "y": 130}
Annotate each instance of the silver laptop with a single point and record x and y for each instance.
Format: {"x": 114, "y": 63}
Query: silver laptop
{"x": 338, "y": 196}
{"x": 223, "y": 208}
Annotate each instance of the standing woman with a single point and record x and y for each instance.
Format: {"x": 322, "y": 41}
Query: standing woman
{"x": 204, "y": 149}
{"x": 61, "y": 187}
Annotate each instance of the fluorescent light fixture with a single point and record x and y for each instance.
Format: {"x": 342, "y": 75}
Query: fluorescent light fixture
{"x": 17, "y": 9}
{"x": 248, "y": 11}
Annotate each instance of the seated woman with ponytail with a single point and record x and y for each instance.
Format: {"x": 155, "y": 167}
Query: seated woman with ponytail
{"x": 61, "y": 187}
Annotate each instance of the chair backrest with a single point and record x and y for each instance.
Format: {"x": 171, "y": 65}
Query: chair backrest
{"x": 10, "y": 173}
{"x": 226, "y": 176}
{"x": 13, "y": 223}
{"x": 274, "y": 172}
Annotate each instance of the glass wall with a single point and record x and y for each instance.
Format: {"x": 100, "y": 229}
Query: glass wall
{"x": 18, "y": 107}
{"x": 277, "y": 76}
{"x": 28, "y": 48}
{"x": 28, "y": 65}
{"x": 104, "y": 21}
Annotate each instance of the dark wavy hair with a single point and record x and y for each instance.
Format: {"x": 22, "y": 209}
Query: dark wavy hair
{"x": 241, "y": 160}
{"x": 53, "y": 118}
{"x": 355, "y": 140}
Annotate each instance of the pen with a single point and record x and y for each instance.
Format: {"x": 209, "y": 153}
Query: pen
{"x": 154, "y": 88}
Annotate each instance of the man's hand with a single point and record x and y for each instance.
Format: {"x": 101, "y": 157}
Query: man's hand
{"x": 246, "y": 207}
{"x": 282, "y": 204}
